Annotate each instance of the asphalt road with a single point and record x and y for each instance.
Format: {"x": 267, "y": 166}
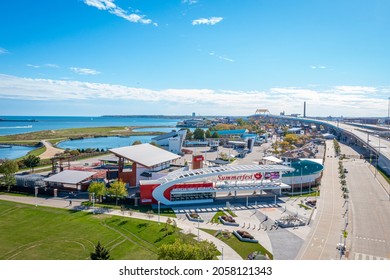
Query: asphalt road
{"x": 322, "y": 241}
{"x": 370, "y": 205}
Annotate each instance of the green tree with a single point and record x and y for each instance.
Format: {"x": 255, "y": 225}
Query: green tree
{"x": 199, "y": 134}
{"x": 208, "y": 133}
{"x": 189, "y": 134}
{"x": 117, "y": 189}
{"x": 8, "y": 168}
{"x": 292, "y": 139}
{"x": 215, "y": 135}
{"x": 137, "y": 142}
{"x": 31, "y": 161}
{"x": 98, "y": 189}
{"x": 184, "y": 250}
{"x": 100, "y": 253}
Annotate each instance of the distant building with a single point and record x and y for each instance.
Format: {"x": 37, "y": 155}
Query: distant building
{"x": 172, "y": 141}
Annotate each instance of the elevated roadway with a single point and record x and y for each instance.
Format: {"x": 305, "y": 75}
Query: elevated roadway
{"x": 377, "y": 148}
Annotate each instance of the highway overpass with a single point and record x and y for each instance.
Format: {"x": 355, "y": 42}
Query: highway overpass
{"x": 376, "y": 148}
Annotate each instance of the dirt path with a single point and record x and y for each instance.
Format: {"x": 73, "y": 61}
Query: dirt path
{"x": 50, "y": 150}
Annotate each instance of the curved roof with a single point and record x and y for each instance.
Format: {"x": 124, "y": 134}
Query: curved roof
{"x": 189, "y": 175}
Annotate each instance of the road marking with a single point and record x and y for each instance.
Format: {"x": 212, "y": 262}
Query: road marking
{"x": 371, "y": 239}
{"x": 361, "y": 256}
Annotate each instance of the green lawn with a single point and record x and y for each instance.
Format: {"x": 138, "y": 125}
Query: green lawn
{"x": 33, "y": 138}
{"x": 242, "y": 248}
{"x": 215, "y": 217}
{"x": 42, "y": 233}
{"x": 231, "y": 213}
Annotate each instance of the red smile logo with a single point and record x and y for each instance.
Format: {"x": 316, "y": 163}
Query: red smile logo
{"x": 258, "y": 176}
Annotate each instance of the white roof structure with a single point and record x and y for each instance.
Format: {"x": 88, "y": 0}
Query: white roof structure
{"x": 181, "y": 176}
{"x": 145, "y": 154}
{"x": 71, "y": 177}
{"x": 273, "y": 159}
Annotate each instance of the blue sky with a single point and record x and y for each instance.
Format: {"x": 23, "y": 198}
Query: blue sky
{"x": 225, "y": 57}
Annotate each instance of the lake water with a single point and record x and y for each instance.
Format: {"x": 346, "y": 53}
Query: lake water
{"x": 20, "y": 124}
{"x": 103, "y": 142}
{"x": 14, "y": 152}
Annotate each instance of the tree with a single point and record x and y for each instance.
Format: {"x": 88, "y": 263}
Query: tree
{"x": 199, "y": 134}
{"x": 215, "y": 135}
{"x": 292, "y": 139}
{"x": 137, "y": 142}
{"x": 189, "y": 134}
{"x": 98, "y": 189}
{"x": 100, "y": 253}
{"x": 8, "y": 169}
{"x": 208, "y": 133}
{"x": 187, "y": 250}
{"x": 118, "y": 190}
{"x": 31, "y": 161}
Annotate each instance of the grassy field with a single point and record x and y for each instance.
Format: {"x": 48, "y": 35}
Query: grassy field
{"x": 215, "y": 217}
{"x": 242, "y": 248}
{"x": 55, "y": 136}
{"x": 42, "y": 233}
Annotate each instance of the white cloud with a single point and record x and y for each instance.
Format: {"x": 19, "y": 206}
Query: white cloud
{"x": 317, "y": 67}
{"x": 51, "y": 65}
{"x": 48, "y": 65}
{"x": 355, "y": 89}
{"x": 320, "y": 102}
{"x": 208, "y": 21}
{"x": 3, "y": 51}
{"x": 33, "y": 66}
{"x": 221, "y": 57}
{"x": 84, "y": 71}
{"x": 112, "y": 8}
{"x": 189, "y": 2}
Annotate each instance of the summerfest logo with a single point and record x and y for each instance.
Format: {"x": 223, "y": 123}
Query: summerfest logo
{"x": 243, "y": 177}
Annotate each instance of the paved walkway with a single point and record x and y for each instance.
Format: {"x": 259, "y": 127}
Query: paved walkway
{"x": 50, "y": 150}
{"x": 321, "y": 242}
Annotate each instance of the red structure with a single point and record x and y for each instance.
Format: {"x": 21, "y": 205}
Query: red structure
{"x": 197, "y": 161}
{"x": 147, "y": 188}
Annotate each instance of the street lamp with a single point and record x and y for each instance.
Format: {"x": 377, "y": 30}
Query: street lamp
{"x": 158, "y": 203}
{"x": 388, "y": 114}
{"x": 378, "y": 156}
{"x": 301, "y": 178}
{"x": 93, "y": 203}
{"x": 222, "y": 253}
{"x": 36, "y": 194}
{"x": 198, "y": 228}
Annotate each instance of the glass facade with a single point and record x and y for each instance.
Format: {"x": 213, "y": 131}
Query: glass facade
{"x": 192, "y": 196}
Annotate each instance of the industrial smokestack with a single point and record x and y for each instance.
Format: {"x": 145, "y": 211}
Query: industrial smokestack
{"x": 304, "y": 109}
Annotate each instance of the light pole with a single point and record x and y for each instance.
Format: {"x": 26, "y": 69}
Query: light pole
{"x": 36, "y": 194}
{"x": 198, "y": 228}
{"x": 378, "y": 156}
{"x": 301, "y": 179}
{"x": 93, "y": 203}
{"x": 222, "y": 253}
{"x": 158, "y": 204}
{"x": 275, "y": 199}
{"x": 388, "y": 114}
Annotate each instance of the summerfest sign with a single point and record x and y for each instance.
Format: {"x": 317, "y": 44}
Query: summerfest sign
{"x": 244, "y": 177}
